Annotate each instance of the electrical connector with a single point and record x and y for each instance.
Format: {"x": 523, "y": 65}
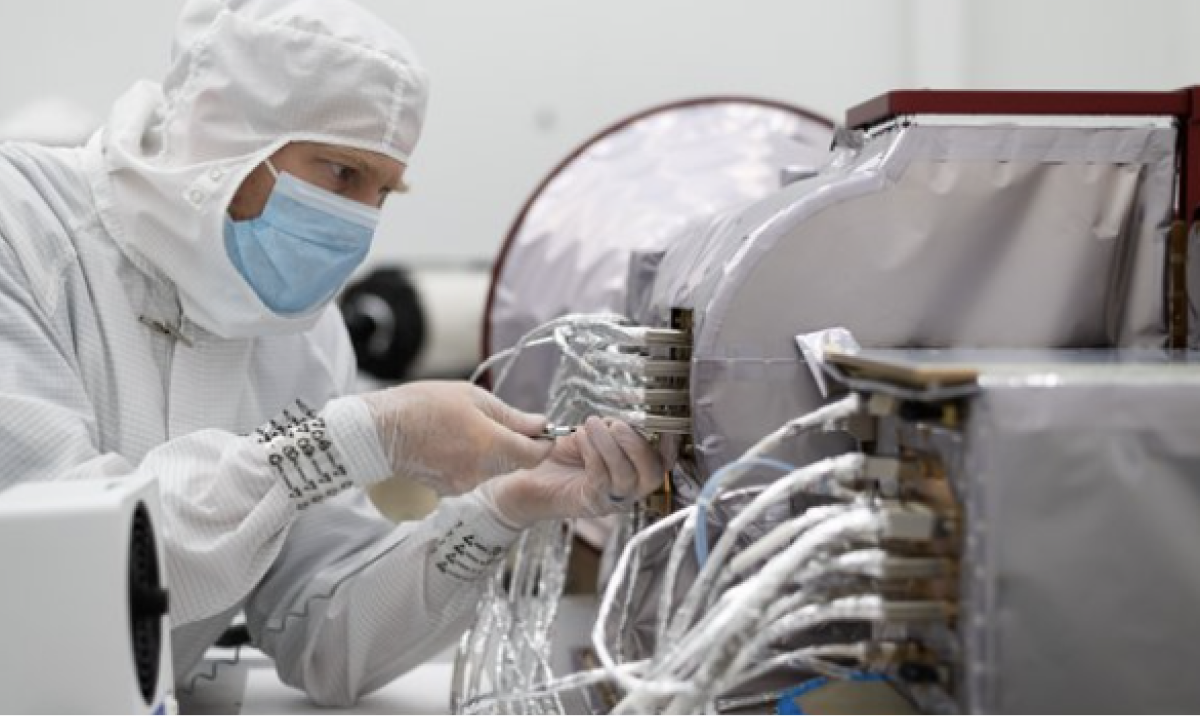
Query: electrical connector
{"x": 909, "y": 522}
{"x": 880, "y": 564}
{"x": 882, "y": 404}
{"x": 881, "y": 468}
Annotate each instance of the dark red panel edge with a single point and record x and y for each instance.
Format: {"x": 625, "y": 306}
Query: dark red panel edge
{"x": 970, "y": 102}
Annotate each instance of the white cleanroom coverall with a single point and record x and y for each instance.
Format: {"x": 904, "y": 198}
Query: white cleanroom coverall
{"x": 131, "y": 345}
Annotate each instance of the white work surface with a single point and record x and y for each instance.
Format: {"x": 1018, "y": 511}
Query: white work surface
{"x": 251, "y": 687}
{"x": 424, "y": 690}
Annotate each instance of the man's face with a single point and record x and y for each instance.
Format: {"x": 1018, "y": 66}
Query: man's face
{"x": 357, "y": 174}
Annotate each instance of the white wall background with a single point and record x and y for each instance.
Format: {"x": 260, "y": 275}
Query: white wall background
{"x": 519, "y": 83}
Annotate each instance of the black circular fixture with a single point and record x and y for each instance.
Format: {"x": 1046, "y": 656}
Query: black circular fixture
{"x": 148, "y": 602}
{"x": 386, "y": 322}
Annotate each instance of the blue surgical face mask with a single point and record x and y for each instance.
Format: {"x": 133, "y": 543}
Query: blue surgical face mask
{"x": 303, "y": 247}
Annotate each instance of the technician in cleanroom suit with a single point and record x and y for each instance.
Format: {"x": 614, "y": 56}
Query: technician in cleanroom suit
{"x": 165, "y": 309}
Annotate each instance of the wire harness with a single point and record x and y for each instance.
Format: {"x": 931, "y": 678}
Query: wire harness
{"x": 610, "y": 368}
{"x": 857, "y": 578}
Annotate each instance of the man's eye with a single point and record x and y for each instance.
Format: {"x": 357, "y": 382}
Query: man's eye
{"x": 340, "y": 172}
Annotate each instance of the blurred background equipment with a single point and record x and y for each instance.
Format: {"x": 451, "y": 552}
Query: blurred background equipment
{"x": 416, "y": 321}
{"x": 386, "y": 321}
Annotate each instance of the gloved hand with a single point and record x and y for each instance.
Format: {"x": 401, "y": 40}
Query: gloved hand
{"x": 604, "y": 467}
{"x": 451, "y": 436}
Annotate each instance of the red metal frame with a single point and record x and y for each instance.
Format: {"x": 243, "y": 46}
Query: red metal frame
{"x": 1189, "y": 153}
{"x": 1130, "y": 104}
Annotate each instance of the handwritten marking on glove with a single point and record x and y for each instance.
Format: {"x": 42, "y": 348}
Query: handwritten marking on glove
{"x": 305, "y": 459}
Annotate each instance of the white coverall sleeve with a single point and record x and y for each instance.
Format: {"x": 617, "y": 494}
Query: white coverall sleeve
{"x": 227, "y": 507}
{"x": 353, "y": 603}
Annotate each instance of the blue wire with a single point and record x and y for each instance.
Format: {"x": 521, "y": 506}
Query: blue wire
{"x": 710, "y": 487}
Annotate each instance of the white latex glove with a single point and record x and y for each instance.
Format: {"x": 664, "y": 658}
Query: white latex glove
{"x": 604, "y": 467}
{"x": 452, "y": 436}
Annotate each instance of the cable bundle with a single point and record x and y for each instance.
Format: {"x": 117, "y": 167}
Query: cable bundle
{"x": 608, "y": 368}
{"x": 864, "y": 582}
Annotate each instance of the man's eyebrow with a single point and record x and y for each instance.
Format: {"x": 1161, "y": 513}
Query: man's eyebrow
{"x": 351, "y": 157}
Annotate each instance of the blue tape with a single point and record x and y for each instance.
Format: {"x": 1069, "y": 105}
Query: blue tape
{"x": 789, "y": 700}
